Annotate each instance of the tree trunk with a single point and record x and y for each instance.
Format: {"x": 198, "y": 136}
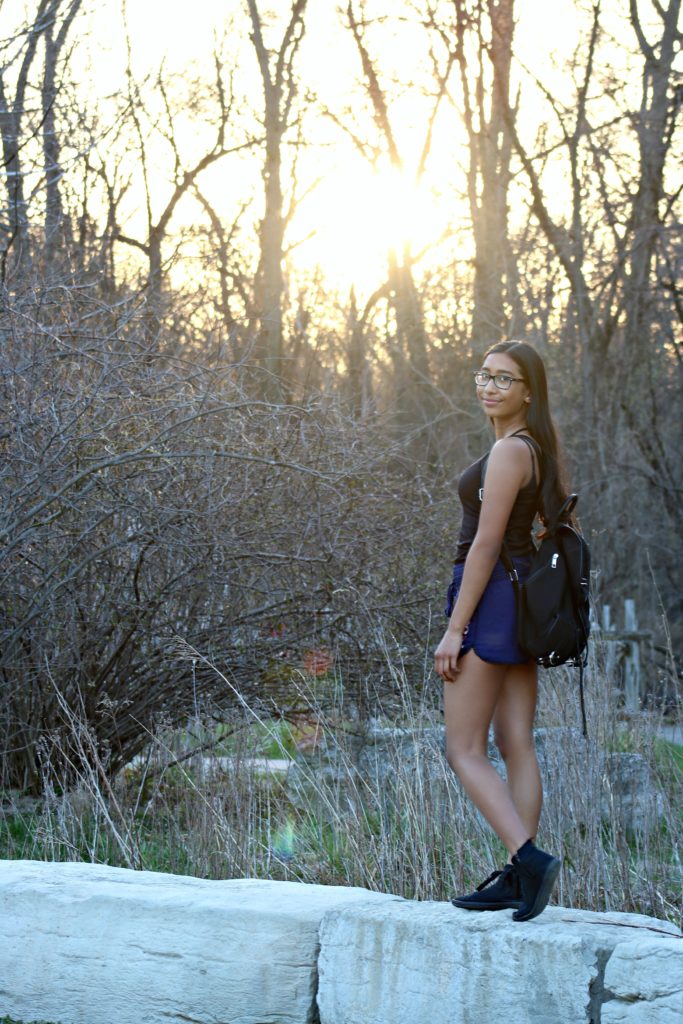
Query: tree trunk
{"x": 53, "y": 202}
{"x": 279, "y": 90}
{"x": 270, "y": 281}
{"x": 414, "y": 397}
{"x": 358, "y": 372}
{"x": 17, "y": 213}
{"x": 640, "y": 399}
{"x": 55, "y": 222}
{"x": 654, "y": 138}
{"x": 490, "y": 320}
{"x": 489, "y": 168}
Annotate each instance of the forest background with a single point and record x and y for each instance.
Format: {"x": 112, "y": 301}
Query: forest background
{"x": 250, "y": 255}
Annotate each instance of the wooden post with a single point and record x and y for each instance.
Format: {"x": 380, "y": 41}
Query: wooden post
{"x": 632, "y": 660}
{"x": 610, "y": 645}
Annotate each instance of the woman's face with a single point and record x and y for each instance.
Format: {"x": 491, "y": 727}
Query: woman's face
{"x": 507, "y": 401}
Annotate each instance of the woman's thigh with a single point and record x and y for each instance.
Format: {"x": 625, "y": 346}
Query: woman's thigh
{"x": 470, "y": 702}
{"x": 513, "y": 718}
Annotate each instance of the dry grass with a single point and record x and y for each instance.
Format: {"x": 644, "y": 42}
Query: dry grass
{"x": 395, "y": 822}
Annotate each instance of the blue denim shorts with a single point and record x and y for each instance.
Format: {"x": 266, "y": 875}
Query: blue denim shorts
{"x": 492, "y": 630}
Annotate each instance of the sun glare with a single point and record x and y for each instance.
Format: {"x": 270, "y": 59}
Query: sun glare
{"x": 352, "y": 225}
{"x": 351, "y": 221}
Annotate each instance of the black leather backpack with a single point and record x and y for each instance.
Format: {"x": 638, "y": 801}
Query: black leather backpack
{"x": 553, "y": 602}
{"x": 553, "y": 611}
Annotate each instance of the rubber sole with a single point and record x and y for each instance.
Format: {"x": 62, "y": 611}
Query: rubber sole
{"x": 508, "y": 905}
{"x": 542, "y": 895}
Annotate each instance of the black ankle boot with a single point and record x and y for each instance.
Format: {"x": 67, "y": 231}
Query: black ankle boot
{"x": 504, "y": 894}
{"x": 537, "y": 872}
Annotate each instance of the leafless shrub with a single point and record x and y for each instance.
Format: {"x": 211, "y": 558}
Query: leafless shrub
{"x": 148, "y": 498}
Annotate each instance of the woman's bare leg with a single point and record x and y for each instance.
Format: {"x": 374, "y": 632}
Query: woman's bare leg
{"x": 469, "y": 705}
{"x": 513, "y": 721}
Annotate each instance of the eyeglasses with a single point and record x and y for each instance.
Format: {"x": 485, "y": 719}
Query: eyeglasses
{"x": 501, "y": 380}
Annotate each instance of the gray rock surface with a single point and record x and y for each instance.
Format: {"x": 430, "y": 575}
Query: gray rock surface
{"x": 89, "y": 944}
{"x": 630, "y": 790}
{"x": 645, "y": 982}
{"x": 426, "y": 963}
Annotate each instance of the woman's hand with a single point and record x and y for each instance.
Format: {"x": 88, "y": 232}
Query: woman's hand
{"x": 447, "y": 654}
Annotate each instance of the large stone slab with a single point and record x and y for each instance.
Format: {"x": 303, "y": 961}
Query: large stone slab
{"x": 644, "y": 982}
{"x": 427, "y": 963}
{"x": 89, "y": 944}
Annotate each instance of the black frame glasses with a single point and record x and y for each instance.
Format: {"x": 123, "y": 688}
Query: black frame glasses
{"x": 501, "y": 380}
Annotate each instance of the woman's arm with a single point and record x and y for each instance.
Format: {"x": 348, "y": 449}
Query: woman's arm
{"x": 507, "y": 471}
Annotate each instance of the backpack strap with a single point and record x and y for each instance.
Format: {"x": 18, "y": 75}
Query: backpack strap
{"x": 582, "y": 659}
{"x": 565, "y": 511}
{"x": 528, "y": 438}
{"x": 535, "y": 449}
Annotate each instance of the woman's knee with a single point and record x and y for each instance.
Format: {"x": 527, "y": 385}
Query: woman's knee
{"x": 453, "y": 756}
{"x": 459, "y": 752}
{"x": 514, "y": 743}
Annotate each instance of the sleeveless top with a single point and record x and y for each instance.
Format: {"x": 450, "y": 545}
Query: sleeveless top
{"x": 518, "y": 529}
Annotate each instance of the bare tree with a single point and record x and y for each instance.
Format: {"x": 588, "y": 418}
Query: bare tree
{"x": 12, "y": 113}
{"x": 234, "y": 300}
{"x": 358, "y": 370}
{"x": 661, "y": 103}
{"x": 480, "y": 35}
{"x": 569, "y": 245}
{"x": 143, "y": 501}
{"x": 413, "y": 391}
{"x": 185, "y": 177}
{"x": 613, "y": 246}
{"x": 52, "y": 23}
{"x": 55, "y": 222}
{"x": 279, "y": 80}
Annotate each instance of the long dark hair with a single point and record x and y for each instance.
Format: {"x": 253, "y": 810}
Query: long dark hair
{"x": 554, "y": 487}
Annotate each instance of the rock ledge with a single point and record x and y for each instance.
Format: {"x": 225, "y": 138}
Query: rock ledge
{"x": 90, "y": 944}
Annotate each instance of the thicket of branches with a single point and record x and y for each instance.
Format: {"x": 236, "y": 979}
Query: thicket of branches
{"x": 197, "y": 442}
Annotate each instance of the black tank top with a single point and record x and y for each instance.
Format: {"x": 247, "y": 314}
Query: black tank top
{"x": 518, "y": 530}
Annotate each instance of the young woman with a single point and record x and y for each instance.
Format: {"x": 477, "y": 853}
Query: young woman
{"x": 486, "y": 675}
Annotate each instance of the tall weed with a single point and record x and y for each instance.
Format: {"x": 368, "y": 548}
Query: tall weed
{"x": 374, "y": 803}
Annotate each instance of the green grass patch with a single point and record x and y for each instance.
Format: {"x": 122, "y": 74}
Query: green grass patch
{"x": 669, "y": 755}
{"x": 11, "y": 1020}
